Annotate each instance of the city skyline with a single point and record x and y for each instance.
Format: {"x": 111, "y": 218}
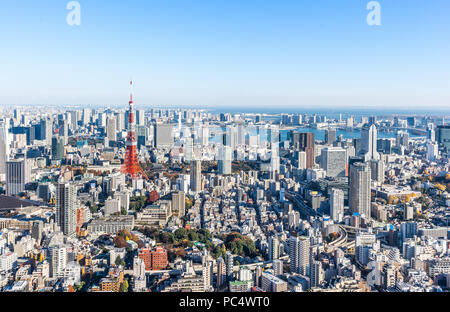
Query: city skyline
{"x": 230, "y": 148}
{"x": 289, "y": 54}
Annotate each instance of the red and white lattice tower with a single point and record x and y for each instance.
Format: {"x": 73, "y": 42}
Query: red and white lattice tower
{"x": 131, "y": 165}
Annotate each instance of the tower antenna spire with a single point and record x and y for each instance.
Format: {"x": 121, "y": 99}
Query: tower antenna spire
{"x": 131, "y": 90}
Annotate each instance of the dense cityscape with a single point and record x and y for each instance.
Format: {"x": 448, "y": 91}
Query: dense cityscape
{"x": 192, "y": 200}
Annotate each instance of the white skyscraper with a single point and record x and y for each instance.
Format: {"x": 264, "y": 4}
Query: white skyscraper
{"x": 337, "y": 205}
{"x": 274, "y": 248}
{"x": 369, "y": 143}
{"x": 58, "y": 260}
{"x": 274, "y": 163}
{"x": 299, "y": 254}
{"x": 334, "y": 161}
{"x": 225, "y": 160}
{"x": 4, "y": 147}
{"x": 301, "y": 160}
{"x": 360, "y": 192}
{"x": 432, "y": 151}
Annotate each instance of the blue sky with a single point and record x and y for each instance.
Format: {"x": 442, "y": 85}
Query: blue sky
{"x": 219, "y": 53}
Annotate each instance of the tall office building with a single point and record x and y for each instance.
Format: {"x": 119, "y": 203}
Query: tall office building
{"x": 337, "y": 205}
{"x": 443, "y": 137}
{"x": 120, "y": 121}
{"x": 299, "y": 254}
{"x": 377, "y": 170}
{"x": 189, "y": 149}
{"x": 229, "y": 261}
{"x": 111, "y": 132}
{"x": 66, "y": 208}
{"x": 301, "y": 160}
{"x": 274, "y": 163}
{"x": 179, "y": 203}
{"x": 63, "y": 130}
{"x": 74, "y": 117}
{"x": 57, "y": 148}
{"x": 86, "y": 116}
{"x": 47, "y": 130}
{"x": 274, "y": 248}
{"x": 140, "y": 117}
{"x": 369, "y": 143}
{"x": 330, "y": 136}
{"x": 317, "y": 274}
{"x": 58, "y": 261}
{"x": 163, "y": 135}
{"x": 432, "y": 151}
{"x": 334, "y": 161}
{"x": 360, "y": 192}
{"x": 18, "y": 174}
{"x": 196, "y": 176}
{"x": 221, "y": 273}
{"x": 4, "y": 146}
{"x": 402, "y": 139}
{"x": 225, "y": 160}
{"x": 306, "y": 143}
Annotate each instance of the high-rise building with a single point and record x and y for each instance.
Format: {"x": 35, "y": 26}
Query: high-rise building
{"x": 58, "y": 261}
{"x": 402, "y": 139}
{"x": 36, "y": 231}
{"x": 65, "y": 204}
{"x": 443, "y": 137}
{"x": 229, "y": 262}
{"x": 274, "y": 248}
{"x": 337, "y": 205}
{"x": 377, "y": 170}
{"x": 57, "y": 148}
{"x": 225, "y": 160}
{"x": 86, "y": 116}
{"x": 207, "y": 274}
{"x": 46, "y": 130}
{"x": 140, "y": 117}
{"x": 18, "y": 174}
{"x": 4, "y": 146}
{"x": 432, "y": 151}
{"x": 163, "y": 135}
{"x": 274, "y": 164}
{"x": 299, "y": 254}
{"x": 330, "y": 136}
{"x": 316, "y": 276}
{"x": 360, "y": 192}
{"x": 63, "y": 130}
{"x": 369, "y": 142}
{"x": 221, "y": 273}
{"x": 111, "y": 125}
{"x": 334, "y": 161}
{"x": 277, "y": 267}
{"x": 306, "y": 143}
{"x": 120, "y": 121}
{"x": 179, "y": 203}
{"x": 196, "y": 176}
{"x": 301, "y": 160}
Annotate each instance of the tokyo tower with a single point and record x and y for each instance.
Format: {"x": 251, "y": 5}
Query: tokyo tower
{"x": 131, "y": 166}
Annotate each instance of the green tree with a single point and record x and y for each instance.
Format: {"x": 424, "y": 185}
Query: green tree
{"x": 119, "y": 261}
{"x": 124, "y": 286}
